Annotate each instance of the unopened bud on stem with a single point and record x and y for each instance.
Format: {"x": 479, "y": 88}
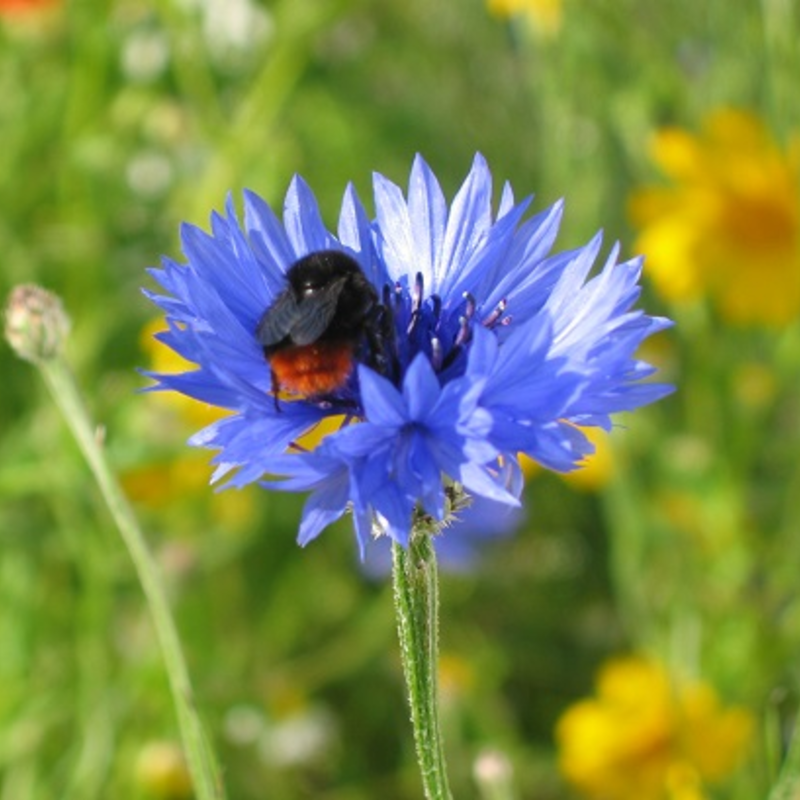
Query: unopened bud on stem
{"x": 36, "y": 323}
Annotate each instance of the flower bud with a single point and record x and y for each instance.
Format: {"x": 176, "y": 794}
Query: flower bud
{"x": 36, "y": 323}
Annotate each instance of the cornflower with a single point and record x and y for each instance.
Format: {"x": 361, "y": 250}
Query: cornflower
{"x": 489, "y": 346}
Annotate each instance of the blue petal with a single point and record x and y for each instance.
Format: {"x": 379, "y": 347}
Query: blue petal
{"x": 383, "y": 404}
{"x": 427, "y": 211}
{"x": 303, "y": 221}
{"x": 355, "y": 232}
{"x": 469, "y": 221}
{"x": 323, "y": 508}
{"x": 420, "y": 388}
{"x": 394, "y": 237}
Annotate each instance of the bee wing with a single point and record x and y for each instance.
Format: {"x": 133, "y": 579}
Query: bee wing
{"x": 304, "y": 321}
{"x": 315, "y": 312}
{"x": 277, "y": 322}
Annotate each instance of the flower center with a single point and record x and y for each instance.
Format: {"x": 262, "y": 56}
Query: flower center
{"x": 425, "y": 324}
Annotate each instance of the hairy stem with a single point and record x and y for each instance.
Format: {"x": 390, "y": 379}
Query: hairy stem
{"x": 200, "y": 758}
{"x": 416, "y": 598}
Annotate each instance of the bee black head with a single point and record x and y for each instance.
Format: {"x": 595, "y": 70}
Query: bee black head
{"x": 318, "y": 270}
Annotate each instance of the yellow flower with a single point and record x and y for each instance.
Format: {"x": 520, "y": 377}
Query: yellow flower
{"x": 158, "y": 483}
{"x": 645, "y": 736}
{"x": 594, "y": 471}
{"x": 163, "y": 359}
{"x": 728, "y": 225}
{"x": 456, "y": 677}
{"x": 161, "y": 770}
{"x": 544, "y": 16}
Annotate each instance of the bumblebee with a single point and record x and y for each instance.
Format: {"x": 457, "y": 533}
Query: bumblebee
{"x": 326, "y": 318}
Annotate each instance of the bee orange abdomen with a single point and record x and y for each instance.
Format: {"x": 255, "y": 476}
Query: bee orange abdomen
{"x": 313, "y": 369}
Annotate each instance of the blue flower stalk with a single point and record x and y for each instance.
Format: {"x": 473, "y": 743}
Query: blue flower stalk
{"x": 434, "y": 343}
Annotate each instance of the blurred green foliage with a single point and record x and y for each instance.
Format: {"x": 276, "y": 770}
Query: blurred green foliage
{"x": 119, "y": 120}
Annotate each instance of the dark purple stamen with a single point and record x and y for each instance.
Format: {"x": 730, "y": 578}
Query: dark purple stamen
{"x": 436, "y": 353}
{"x": 469, "y": 309}
{"x": 416, "y": 303}
{"x": 464, "y": 332}
{"x": 436, "y": 302}
{"x": 499, "y": 309}
{"x": 416, "y": 295}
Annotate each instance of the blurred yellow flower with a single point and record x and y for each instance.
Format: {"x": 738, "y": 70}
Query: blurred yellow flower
{"x": 728, "y": 225}
{"x": 645, "y": 736}
{"x": 158, "y": 483}
{"x": 163, "y": 359}
{"x": 456, "y": 677}
{"x": 162, "y": 772}
{"x": 594, "y": 471}
{"x": 544, "y": 16}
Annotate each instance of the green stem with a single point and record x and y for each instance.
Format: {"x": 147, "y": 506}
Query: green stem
{"x": 416, "y": 602}
{"x": 200, "y": 758}
{"x": 788, "y": 783}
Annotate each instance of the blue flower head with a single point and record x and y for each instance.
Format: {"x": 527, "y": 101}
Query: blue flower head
{"x": 477, "y": 344}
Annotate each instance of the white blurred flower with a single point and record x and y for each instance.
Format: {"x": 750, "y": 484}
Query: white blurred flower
{"x": 231, "y": 27}
{"x": 299, "y": 738}
{"x": 244, "y": 724}
{"x": 149, "y": 174}
{"x": 145, "y": 55}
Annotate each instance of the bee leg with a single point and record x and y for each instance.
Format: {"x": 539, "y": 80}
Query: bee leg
{"x": 276, "y": 388}
{"x": 380, "y": 342}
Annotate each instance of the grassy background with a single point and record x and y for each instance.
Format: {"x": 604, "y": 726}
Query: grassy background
{"x": 119, "y": 120}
